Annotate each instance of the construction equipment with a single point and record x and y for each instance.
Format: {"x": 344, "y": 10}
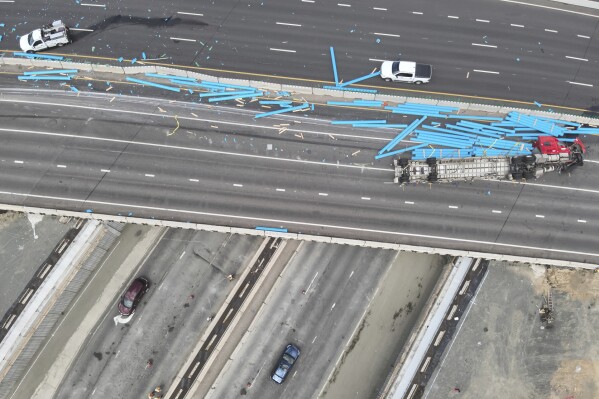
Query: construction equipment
{"x": 549, "y": 154}
{"x": 546, "y": 312}
{"x": 56, "y": 34}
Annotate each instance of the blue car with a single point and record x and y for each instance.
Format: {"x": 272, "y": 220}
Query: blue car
{"x": 286, "y": 362}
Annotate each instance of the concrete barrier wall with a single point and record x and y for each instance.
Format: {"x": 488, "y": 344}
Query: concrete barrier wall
{"x": 399, "y": 99}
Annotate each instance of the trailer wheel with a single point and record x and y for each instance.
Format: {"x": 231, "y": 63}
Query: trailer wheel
{"x": 530, "y": 159}
{"x": 431, "y": 161}
{"x": 432, "y": 178}
{"x": 404, "y": 179}
{"x": 403, "y": 162}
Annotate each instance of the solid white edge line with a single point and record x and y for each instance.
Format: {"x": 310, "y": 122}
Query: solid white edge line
{"x": 292, "y": 222}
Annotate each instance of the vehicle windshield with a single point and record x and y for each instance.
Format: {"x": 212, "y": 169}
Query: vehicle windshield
{"x": 288, "y": 358}
{"x": 395, "y": 67}
{"x": 30, "y": 40}
{"x": 127, "y": 302}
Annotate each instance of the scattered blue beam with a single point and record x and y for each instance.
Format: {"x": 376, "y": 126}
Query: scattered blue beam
{"x": 162, "y": 76}
{"x": 33, "y": 55}
{"x": 190, "y": 83}
{"x": 234, "y": 97}
{"x": 388, "y": 154}
{"x": 146, "y": 83}
{"x": 275, "y": 102}
{"x": 359, "y": 90}
{"x": 452, "y": 133}
{"x": 402, "y": 135}
{"x": 334, "y": 66}
{"x": 227, "y": 93}
{"x": 361, "y": 78}
{"x": 381, "y": 125}
{"x": 369, "y": 102}
{"x": 282, "y": 110}
{"x": 39, "y": 77}
{"x": 278, "y": 230}
{"x": 349, "y": 104}
{"x": 379, "y": 121}
{"x": 226, "y": 85}
{"x": 475, "y": 117}
{"x": 51, "y": 72}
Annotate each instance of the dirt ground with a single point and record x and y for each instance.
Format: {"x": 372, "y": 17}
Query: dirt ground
{"x": 386, "y": 327}
{"x": 504, "y": 350}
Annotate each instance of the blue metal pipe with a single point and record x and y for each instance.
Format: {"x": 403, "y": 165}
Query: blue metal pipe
{"x": 234, "y": 97}
{"x": 50, "y": 72}
{"x": 282, "y": 110}
{"x": 388, "y": 154}
{"x": 334, "y": 66}
{"x": 372, "y": 75}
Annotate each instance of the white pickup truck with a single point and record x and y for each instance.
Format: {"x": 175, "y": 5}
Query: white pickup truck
{"x": 406, "y": 71}
{"x": 56, "y": 34}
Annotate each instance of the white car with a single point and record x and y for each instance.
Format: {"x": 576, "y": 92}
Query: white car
{"x": 406, "y": 71}
{"x": 48, "y": 36}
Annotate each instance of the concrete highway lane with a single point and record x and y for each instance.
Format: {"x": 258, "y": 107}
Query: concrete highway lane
{"x": 187, "y": 271}
{"x": 245, "y": 173}
{"x": 317, "y": 304}
{"x": 487, "y": 48}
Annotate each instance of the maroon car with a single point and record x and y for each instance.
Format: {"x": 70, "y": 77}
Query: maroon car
{"x": 133, "y": 295}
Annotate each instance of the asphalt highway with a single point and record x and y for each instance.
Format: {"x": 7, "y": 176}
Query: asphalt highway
{"x": 487, "y": 48}
{"x": 221, "y": 166}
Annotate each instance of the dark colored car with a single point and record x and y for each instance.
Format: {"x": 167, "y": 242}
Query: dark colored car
{"x": 133, "y": 295}
{"x": 286, "y": 362}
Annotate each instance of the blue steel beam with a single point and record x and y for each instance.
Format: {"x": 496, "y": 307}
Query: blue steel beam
{"x": 334, "y": 66}
{"x": 39, "y": 77}
{"x": 146, "y": 83}
{"x": 235, "y": 97}
{"x": 475, "y": 117}
{"x": 278, "y": 230}
{"x": 46, "y": 57}
{"x": 379, "y": 121}
{"x": 162, "y": 76}
{"x": 51, "y": 72}
{"x": 356, "y": 80}
{"x": 350, "y": 89}
{"x": 282, "y": 110}
{"x": 226, "y": 93}
{"x": 403, "y": 134}
{"x": 388, "y": 154}
{"x": 381, "y": 125}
